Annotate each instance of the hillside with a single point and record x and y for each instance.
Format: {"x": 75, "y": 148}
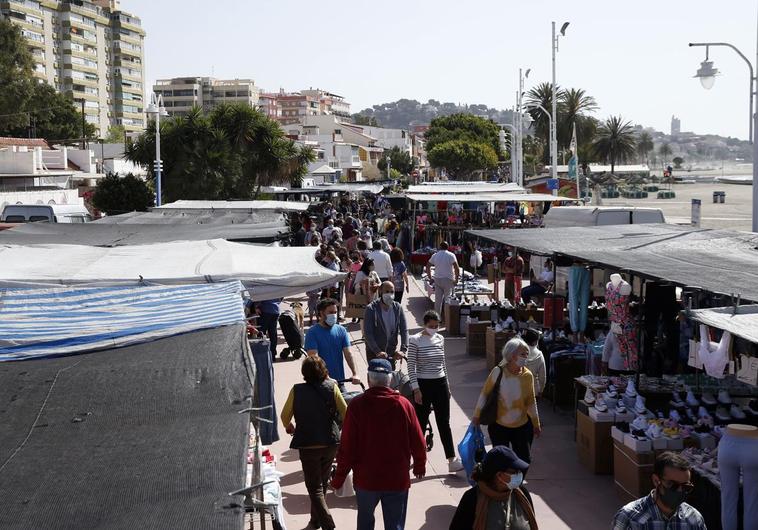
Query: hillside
{"x": 404, "y": 113}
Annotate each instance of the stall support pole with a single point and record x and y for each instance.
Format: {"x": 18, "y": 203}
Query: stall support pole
{"x": 413, "y": 228}
{"x": 640, "y": 322}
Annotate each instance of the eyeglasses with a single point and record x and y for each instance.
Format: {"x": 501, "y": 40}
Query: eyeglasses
{"x": 686, "y": 487}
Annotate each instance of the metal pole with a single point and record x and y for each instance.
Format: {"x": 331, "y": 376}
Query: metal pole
{"x": 553, "y": 126}
{"x": 84, "y": 127}
{"x": 521, "y": 130}
{"x": 158, "y": 200}
{"x": 753, "y": 129}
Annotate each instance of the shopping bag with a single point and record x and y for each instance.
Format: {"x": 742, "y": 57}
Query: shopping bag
{"x": 471, "y": 449}
{"x": 355, "y": 305}
{"x": 346, "y": 490}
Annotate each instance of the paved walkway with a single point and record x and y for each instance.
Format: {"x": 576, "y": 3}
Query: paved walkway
{"x": 565, "y": 494}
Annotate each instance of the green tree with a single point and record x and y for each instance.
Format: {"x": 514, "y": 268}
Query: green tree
{"x": 461, "y": 158}
{"x": 678, "y": 161}
{"x": 27, "y": 104}
{"x": 573, "y": 109}
{"x": 361, "y": 119}
{"x": 644, "y": 146}
{"x": 463, "y": 127}
{"x": 115, "y": 195}
{"x": 665, "y": 151}
{"x": 116, "y": 134}
{"x": 400, "y": 160}
{"x": 615, "y": 141}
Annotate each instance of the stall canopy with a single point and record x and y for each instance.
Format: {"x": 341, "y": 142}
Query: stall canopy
{"x": 462, "y": 188}
{"x": 485, "y": 197}
{"x": 717, "y": 261}
{"x": 279, "y": 206}
{"x": 196, "y": 217}
{"x": 37, "y": 323}
{"x": 334, "y": 188}
{"x": 268, "y": 272}
{"x": 146, "y": 436}
{"x": 742, "y": 321}
{"x": 97, "y": 234}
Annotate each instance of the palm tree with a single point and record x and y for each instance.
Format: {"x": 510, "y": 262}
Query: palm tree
{"x": 615, "y": 141}
{"x": 573, "y": 105}
{"x": 644, "y": 145}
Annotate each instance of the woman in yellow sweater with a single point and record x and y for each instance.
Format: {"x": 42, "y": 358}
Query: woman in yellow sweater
{"x": 518, "y": 421}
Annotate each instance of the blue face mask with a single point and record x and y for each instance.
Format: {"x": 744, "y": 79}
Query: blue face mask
{"x": 516, "y": 480}
{"x": 331, "y": 319}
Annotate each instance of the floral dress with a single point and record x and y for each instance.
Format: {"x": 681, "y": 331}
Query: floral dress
{"x": 625, "y": 330}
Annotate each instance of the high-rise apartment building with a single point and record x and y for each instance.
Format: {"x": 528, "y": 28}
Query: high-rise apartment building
{"x": 289, "y": 108}
{"x": 180, "y": 94}
{"x": 90, "y": 49}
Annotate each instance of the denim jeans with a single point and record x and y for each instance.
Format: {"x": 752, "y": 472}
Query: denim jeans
{"x": 394, "y": 506}
{"x": 268, "y": 323}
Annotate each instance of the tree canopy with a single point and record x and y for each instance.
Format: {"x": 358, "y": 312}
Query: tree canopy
{"x": 401, "y": 161}
{"x": 463, "y": 157}
{"x": 227, "y": 153}
{"x": 615, "y": 141}
{"x": 115, "y": 195}
{"x": 28, "y": 105}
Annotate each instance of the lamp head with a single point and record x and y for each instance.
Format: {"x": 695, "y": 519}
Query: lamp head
{"x": 707, "y": 74}
{"x": 152, "y": 108}
{"x": 527, "y": 72}
{"x": 163, "y": 111}
{"x": 563, "y": 28}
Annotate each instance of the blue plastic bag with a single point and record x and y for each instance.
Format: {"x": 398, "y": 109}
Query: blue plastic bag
{"x": 471, "y": 449}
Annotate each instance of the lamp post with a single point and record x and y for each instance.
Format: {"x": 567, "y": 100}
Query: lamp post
{"x": 519, "y": 126}
{"x": 155, "y": 108}
{"x": 389, "y": 166}
{"x": 512, "y": 128}
{"x": 554, "y": 123}
{"x": 707, "y": 76}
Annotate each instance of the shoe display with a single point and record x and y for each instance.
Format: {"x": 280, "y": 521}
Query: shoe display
{"x": 639, "y": 405}
{"x": 691, "y": 415}
{"x": 654, "y": 431}
{"x": 507, "y": 304}
{"x": 753, "y": 406}
{"x": 630, "y": 390}
{"x": 702, "y": 413}
{"x": 691, "y": 399}
{"x": 708, "y": 399}
{"x": 671, "y": 432}
{"x": 589, "y": 397}
{"x": 620, "y": 407}
{"x": 454, "y": 465}
{"x": 612, "y": 392}
{"x": 724, "y": 397}
{"x": 675, "y": 416}
{"x": 722, "y": 414}
{"x": 600, "y": 404}
{"x": 736, "y": 412}
{"x": 639, "y": 426}
{"x": 509, "y": 322}
{"x": 676, "y": 400}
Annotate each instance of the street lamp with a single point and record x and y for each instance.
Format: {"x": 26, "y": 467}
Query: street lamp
{"x": 389, "y": 166}
{"x": 707, "y": 76}
{"x": 554, "y": 123}
{"x": 519, "y": 119}
{"x": 155, "y": 108}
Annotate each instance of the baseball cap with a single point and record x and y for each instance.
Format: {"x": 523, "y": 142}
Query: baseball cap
{"x": 502, "y": 458}
{"x": 380, "y": 366}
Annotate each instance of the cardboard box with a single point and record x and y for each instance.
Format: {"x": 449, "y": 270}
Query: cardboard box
{"x": 494, "y": 342}
{"x": 674, "y": 444}
{"x": 659, "y": 444}
{"x": 631, "y": 472}
{"x": 476, "y": 338}
{"x": 594, "y": 444}
{"x": 598, "y": 416}
{"x": 583, "y": 407}
{"x": 452, "y": 314}
{"x": 704, "y": 441}
{"x": 627, "y": 417}
{"x": 617, "y": 434}
{"x": 636, "y": 445}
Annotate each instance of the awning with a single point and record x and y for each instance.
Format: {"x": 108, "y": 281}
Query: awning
{"x": 279, "y": 206}
{"x": 269, "y": 272}
{"x": 146, "y": 436}
{"x": 486, "y": 197}
{"x": 195, "y": 217}
{"x": 334, "y": 188}
{"x": 36, "y": 323}
{"x": 465, "y": 187}
{"x": 742, "y": 323}
{"x": 97, "y": 234}
{"x": 716, "y": 261}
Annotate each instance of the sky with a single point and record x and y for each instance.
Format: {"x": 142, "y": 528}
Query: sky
{"x": 632, "y": 56}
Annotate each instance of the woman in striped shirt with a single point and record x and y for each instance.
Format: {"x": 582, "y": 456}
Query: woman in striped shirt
{"x": 428, "y": 376}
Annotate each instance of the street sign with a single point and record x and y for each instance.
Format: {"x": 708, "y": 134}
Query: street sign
{"x": 553, "y": 184}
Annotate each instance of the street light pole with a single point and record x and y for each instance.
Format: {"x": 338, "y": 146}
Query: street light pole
{"x": 707, "y": 75}
{"x": 554, "y": 125}
{"x": 520, "y": 137}
{"x": 157, "y": 109}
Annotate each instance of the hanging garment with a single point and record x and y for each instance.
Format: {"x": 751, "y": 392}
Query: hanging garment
{"x": 622, "y": 324}
{"x": 660, "y": 311}
{"x": 714, "y": 356}
{"x": 264, "y": 380}
{"x": 579, "y": 297}
{"x": 737, "y": 453}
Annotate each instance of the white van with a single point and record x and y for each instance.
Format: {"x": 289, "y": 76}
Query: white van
{"x": 564, "y": 216}
{"x": 46, "y": 213}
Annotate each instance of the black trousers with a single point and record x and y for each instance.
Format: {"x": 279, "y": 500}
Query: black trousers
{"x": 434, "y": 393}
{"x": 517, "y": 438}
{"x": 399, "y": 296}
{"x": 661, "y": 339}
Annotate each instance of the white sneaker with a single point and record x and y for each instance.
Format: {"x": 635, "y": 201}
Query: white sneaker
{"x": 600, "y": 404}
{"x": 639, "y": 405}
{"x": 724, "y": 397}
{"x": 630, "y": 390}
{"x": 640, "y": 423}
{"x": 691, "y": 399}
{"x": 454, "y": 465}
{"x": 676, "y": 399}
{"x": 589, "y": 397}
{"x": 621, "y": 408}
{"x": 612, "y": 391}
{"x": 507, "y": 304}
{"x": 654, "y": 431}
{"x": 736, "y": 412}
{"x": 708, "y": 399}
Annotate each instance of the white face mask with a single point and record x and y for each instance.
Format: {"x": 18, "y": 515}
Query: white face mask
{"x": 516, "y": 480}
{"x": 521, "y": 362}
{"x": 431, "y": 331}
{"x": 388, "y": 298}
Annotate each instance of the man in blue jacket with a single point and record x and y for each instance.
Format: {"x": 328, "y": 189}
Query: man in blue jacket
{"x": 383, "y": 322}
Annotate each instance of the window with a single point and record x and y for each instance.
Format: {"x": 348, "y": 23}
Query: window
{"x": 91, "y": 105}
{"x": 92, "y": 119}
{"x": 31, "y": 35}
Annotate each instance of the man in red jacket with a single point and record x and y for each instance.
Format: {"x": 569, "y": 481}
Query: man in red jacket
{"x": 378, "y": 419}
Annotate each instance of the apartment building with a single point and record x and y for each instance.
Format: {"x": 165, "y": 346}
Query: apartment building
{"x": 90, "y": 49}
{"x": 289, "y": 108}
{"x": 180, "y": 94}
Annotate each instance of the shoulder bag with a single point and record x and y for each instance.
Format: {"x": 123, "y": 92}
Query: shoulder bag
{"x": 488, "y": 414}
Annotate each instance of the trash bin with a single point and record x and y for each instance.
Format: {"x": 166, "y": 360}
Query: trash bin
{"x": 719, "y": 197}
{"x": 722, "y": 197}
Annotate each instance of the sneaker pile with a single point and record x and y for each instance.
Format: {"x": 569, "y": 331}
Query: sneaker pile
{"x": 600, "y": 404}
{"x": 676, "y": 400}
{"x": 708, "y": 399}
{"x": 630, "y": 392}
{"x": 589, "y": 397}
{"x": 691, "y": 399}
{"x": 724, "y": 398}
{"x": 639, "y": 405}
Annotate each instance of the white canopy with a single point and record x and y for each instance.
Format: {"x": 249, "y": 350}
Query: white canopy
{"x": 269, "y": 272}
{"x": 487, "y": 197}
{"x": 358, "y": 187}
{"x": 283, "y": 206}
{"x": 464, "y": 187}
{"x": 743, "y": 322}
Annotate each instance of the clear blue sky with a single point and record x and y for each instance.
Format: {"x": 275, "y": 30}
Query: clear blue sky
{"x": 632, "y": 56}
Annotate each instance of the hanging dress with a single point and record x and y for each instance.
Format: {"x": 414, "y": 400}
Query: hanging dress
{"x": 624, "y": 327}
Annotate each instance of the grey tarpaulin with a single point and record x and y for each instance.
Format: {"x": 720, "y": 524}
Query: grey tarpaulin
{"x": 97, "y": 234}
{"x": 146, "y": 436}
{"x": 194, "y": 217}
{"x": 743, "y": 323}
{"x": 717, "y": 261}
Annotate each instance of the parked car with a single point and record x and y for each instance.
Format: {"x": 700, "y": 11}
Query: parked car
{"x": 46, "y": 213}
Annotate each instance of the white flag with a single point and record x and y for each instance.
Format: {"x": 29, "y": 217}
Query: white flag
{"x": 572, "y": 146}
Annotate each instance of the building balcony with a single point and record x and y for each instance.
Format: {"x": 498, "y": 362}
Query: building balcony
{"x": 131, "y": 39}
{"x": 25, "y": 6}
{"x": 131, "y": 26}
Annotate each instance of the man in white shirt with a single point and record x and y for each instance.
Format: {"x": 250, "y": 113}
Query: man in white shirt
{"x": 539, "y": 286}
{"x": 382, "y": 262}
{"x": 446, "y": 274}
{"x": 327, "y": 233}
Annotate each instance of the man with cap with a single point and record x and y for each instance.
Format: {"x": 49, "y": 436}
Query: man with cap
{"x": 375, "y": 420}
{"x": 499, "y": 499}
{"x": 383, "y": 323}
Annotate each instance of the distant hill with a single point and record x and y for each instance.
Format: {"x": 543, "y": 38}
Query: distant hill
{"x": 404, "y": 113}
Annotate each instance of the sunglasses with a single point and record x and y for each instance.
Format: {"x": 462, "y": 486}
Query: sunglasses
{"x": 685, "y": 487}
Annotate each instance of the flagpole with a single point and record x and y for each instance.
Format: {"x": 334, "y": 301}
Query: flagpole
{"x": 575, "y": 154}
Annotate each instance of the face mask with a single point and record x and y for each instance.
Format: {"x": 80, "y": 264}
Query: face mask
{"x": 388, "y": 298}
{"x": 671, "y": 497}
{"x": 331, "y": 319}
{"x": 521, "y": 362}
{"x": 431, "y": 331}
{"x": 313, "y": 228}
{"x": 516, "y": 480}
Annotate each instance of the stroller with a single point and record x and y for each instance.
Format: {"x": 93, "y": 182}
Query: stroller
{"x": 293, "y": 335}
{"x": 402, "y": 383}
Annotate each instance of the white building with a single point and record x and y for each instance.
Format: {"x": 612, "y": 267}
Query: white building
{"x": 389, "y": 138}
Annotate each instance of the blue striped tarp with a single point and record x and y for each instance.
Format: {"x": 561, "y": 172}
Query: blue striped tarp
{"x": 37, "y": 323}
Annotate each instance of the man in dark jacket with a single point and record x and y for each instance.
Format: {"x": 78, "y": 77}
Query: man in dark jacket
{"x": 383, "y": 322}
{"x": 377, "y": 419}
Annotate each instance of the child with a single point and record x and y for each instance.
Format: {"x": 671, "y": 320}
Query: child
{"x": 535, "y": 361}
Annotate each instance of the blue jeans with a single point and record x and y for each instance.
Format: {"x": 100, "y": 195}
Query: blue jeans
{"x": 268, "y": 323}
{"x": 735, "y": 454}
{"x": 394, "y": 507}
{"x": 579, "y": 297}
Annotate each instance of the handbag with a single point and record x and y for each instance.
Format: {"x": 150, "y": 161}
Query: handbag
{"x": 488, "y": 414}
